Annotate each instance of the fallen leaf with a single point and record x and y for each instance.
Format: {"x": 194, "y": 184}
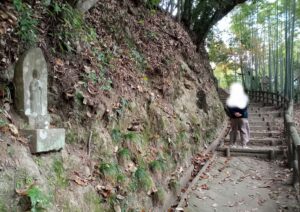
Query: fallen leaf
{"x": 13, "y": 129}
{"x": 89, "y": 114}
{"x": 80, "y": 181}
{"x": 23, "y": 191}
{"x": 105, "y": 191}
{"x": 120, "y": 197}
{"x": 261, "y": 201}
{"x": 22, "y": 140}
{"x": 204, "y": 187}
{"x": 116, "y": 149}
{"x": 59, "y": 62}
{"x": 131, "y": 167}
{"x": 117, "y": 208}
{"x": 204, "y": 176}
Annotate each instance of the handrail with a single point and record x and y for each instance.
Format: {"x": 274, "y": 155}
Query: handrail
{"x": 292, "y": 136}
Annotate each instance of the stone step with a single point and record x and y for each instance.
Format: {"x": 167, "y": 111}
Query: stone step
{"x": 260, "y": 123}
{"x": 262, "y": 128}
{"x": 271, "y": 153}
{"x": 262, "y": 141}
{"x": 260, "y": 134}
{"x": 255, "y": 104}
{"x": 264, "y": 108}
{"x": 258, "y": 119}
{"x": 269, "y": 114}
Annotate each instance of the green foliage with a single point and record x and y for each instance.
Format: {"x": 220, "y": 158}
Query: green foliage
{"x": 131, "y": 136}
{"x": 2, "y": 207}
{"x": 98, "y": 79}
{"x": 79, "y": 97}
{"x": 142, "y": 179}
{"x": 71, "y": 136}
{"x": 159, "y": 196}
{"x": 59, "y": 171}
{"x": 27, "y": 24}
{"x": 104, "y": 57}
{"x": 123, "y": 104}
{"x": 174, "y": 185}
{"x": 93, "y": 200}
{"x": 71, "y": 28}
{"x": 197, "y": 137}
{"x": 23, "y": 180}
{"x": 209, "y": 134}
{"x": 157, "y": 165}
{"x": 111, "y": 172}
{"x": 116, "y": 135}
{"x": 181, "y": 137}
{"x": 124, "y": 153}
{"x": 3, "y": 122}
{"x": 153, "y": 3}
{"x": 38, "y": 200}
{"x": 101, "y": 77}
{"x": 139, "y": 59}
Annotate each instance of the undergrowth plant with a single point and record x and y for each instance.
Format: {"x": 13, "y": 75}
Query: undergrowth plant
{"x": 181, "y": 137}
{"x": 60, "y": 175}
{"x": 39, "y": 201}
{"x": 111, "y": 172}
{"x": 99, "y": 76}
{"x": 116, "y": 135}
{"x": 131, "y": 136}
{"x": 139, "y": 59}
{"x": 98, "y": 79}
{"x": 71, "y": 136}
{"x": 174, "y": 185}
{"x": 157, "y": 166}
{"x": 142, "y": 180}
{"x": 71, "y": 27}
{"x": 3, "y": 122}
{"x": 2, "y": 206}
{"x": 124, "y": 154}
{"x": 152, "y": 4}
{"x": 27, "y": 24}
{"x": 159, "y": 196}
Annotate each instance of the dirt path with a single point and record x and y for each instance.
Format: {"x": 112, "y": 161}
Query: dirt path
{"x": 243, "y": 184}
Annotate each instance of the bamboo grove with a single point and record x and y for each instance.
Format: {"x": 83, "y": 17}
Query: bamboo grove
{"x": 264, "y": 51}
{"x": 265, "y": 47}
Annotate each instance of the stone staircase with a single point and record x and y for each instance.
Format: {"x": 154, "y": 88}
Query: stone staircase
{"x": 252, "y": 183}
{"x": 266, "y": 137}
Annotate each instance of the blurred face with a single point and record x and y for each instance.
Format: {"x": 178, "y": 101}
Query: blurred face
{"x": 236, "y": 89}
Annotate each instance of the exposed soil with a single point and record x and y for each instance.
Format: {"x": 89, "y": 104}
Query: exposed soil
{"x": 140, "y": 86}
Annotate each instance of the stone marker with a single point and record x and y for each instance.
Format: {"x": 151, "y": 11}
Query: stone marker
{"x": 30, "y": 81}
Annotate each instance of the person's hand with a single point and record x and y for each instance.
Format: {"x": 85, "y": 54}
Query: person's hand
{"x": 237, "y": 114}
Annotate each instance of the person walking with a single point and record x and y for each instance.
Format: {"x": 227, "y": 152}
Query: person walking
{"x": 237, "y": 104}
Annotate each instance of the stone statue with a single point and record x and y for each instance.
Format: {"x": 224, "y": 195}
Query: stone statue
{"x": 30, "y": 81}
{"x": 35, "y": 94}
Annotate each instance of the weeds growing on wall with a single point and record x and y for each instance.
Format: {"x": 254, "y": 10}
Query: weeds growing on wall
{"x": 71, "y": 28}
{"x": 142, "y": 180}
{"x": 38, "y": 199}
{"x": 59, "y": 171}
{"x": 27, "y": 24}
{"x": 157, "y": 165}
{"x": 111, "y": 172}
{"x": 3, "y": 122}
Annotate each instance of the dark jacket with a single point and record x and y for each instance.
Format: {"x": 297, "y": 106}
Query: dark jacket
{"x": 230, "y": 111}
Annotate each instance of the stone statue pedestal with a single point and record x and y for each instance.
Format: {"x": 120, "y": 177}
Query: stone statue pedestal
{"x": 31, "y": 102}
{"x": 45, "y": 140}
